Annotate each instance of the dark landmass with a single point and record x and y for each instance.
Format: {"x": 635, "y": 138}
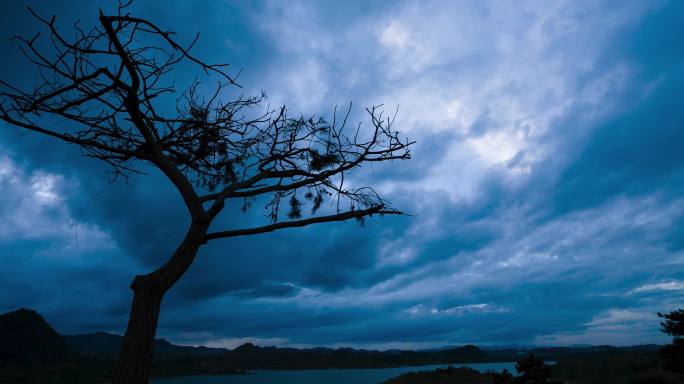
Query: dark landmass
{"x": 558, "y": 353}
{"x": 249, "y": 356}
{"x": 585, "y": 365}
{"x": 32, "y": 352}
{"x": 449, "y": 375}
{"x": 612, "y": 365}
{"x": 26, "y": 338}
{"x": 107, "y": 345}
{"x": 101, "y": 345}
{"x": 104, "y": 346}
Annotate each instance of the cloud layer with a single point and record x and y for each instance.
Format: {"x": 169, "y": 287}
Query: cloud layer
{"x": 545, "y": 189}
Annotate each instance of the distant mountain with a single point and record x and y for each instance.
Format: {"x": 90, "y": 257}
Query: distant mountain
{"x": 32, "y": 352}
{"x": 108, "y": 345}
{"x": 465, "y": 354}
{"x": 249, "y": 357}
{"x": 26, "y": 338}
{"x": 99, "y": 343}
{"x": 513, "y": 346}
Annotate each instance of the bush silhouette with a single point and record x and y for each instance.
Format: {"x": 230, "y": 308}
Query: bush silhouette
{"x": 531, "y": 369}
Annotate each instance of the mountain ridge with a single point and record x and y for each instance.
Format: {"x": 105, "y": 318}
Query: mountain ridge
{"x": 26, "y": 338}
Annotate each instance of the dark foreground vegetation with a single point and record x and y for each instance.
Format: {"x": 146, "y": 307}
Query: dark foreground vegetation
{"x": 32, "y": 352}
{"x": 614, "y": 366}
{"x": 448, "y": 375}
{"x": 530, "y": 369}
{"x": 645, "y": 364}
{"x": 604, "y": 366}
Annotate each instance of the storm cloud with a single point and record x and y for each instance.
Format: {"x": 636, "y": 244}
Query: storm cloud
{"x": 545, "y": 191}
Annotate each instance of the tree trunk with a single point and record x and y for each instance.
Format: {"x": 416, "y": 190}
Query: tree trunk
{"x": 138, "y": 343}
{"x": 135, "y": 359}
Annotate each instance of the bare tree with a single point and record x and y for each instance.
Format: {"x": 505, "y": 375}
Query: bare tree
{"x": 109, "y": 90}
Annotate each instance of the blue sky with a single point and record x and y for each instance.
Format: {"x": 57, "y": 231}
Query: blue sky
{"x": 545, "y": 190}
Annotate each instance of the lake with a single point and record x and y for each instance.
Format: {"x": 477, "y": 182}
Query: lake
{"x": 324, "y": 376}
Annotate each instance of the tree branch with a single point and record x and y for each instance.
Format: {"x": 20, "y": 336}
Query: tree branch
{"x": 356, "y": 214}
{"x": 104, "y": 90}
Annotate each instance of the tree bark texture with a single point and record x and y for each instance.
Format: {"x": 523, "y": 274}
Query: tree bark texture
{"x": 137, "y": 350}
{"x": 138, "y": 343}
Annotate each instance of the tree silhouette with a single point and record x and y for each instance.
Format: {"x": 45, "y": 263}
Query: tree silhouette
{"x": 531, "y": 370}
{"x": 505, "y": 377}
{"x": 672, "y": 355}
{"x": 110, "y": 91}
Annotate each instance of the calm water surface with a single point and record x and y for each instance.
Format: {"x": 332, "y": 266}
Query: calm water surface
{"x": 324, "y": 376}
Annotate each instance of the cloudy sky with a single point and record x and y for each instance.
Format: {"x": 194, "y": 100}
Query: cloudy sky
{"x": 546, "y": 189}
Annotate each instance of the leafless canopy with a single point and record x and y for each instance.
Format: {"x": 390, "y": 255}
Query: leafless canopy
{"x": 107, "y": 89}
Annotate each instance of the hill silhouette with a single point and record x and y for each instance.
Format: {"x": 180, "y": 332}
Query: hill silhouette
{"x": 26, "y": 338}
{"x": 107, "y": 345}
{"x": 31, "y": 351}
{"x": 249, "y": 356}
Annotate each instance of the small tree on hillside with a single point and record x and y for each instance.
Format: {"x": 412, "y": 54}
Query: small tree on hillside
{"x": 672, "y": 355}
{"x": 504, "y": 377}
{"x": 110, "y": 91}
{"x": 531, "y": 370}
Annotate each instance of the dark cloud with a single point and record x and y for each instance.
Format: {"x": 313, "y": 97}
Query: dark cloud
{"x": 637, "y": 152}
{"x": 537, "y": 250}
